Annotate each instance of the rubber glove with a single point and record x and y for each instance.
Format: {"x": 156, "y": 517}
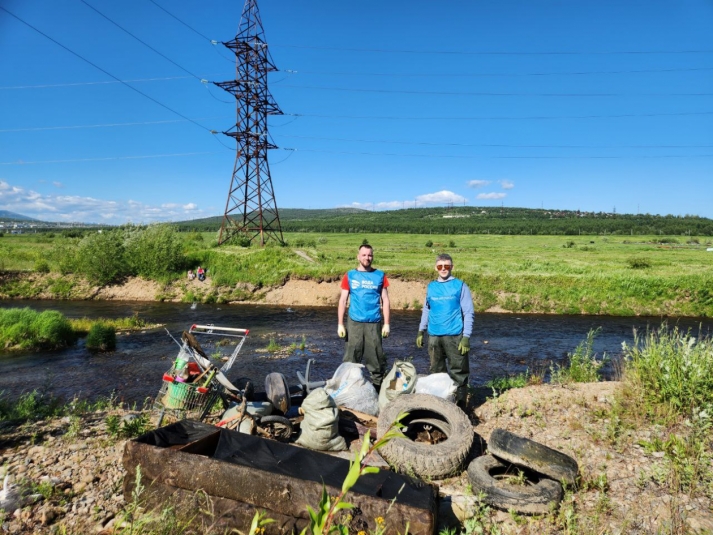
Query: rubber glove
{"x": 341, "y": 331}
{"x": 419, "y": 339}
{"x": 464, "y": 345}
{"x": 385, "y": 331}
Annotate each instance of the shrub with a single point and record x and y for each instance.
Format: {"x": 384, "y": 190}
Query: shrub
{"x": 25, "y": 328}
{"x": 100, "y": 257}
{"x": 638, "y": 263}
{"x": 451, "y": 243}
{"x": 154, "y": 252}
{"x": 101, "y": 337}
{"x": 583, "y": 364}
{"x": 41, "y": 266}
{"x": 429, "y": 243}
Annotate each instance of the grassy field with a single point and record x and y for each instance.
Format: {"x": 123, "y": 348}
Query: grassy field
{"x": 613, "y": 275}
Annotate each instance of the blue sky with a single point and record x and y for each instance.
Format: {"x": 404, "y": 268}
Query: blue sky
{"x": 589, "y": 105}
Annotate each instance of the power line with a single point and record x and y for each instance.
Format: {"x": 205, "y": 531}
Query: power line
{"x": 501, "y": 145}
{"x": 492, "y": 74}
{"x": 182, "y": 22}
{"x": 500, "y": 53}
{"x": 496, "y": 94}
{"x": 104, "y": 71}
{"x": 211, "y": 41}
{"x": 499, "y": 117}
{"x": 367, "y": 117}
{"x": 138, "y": 39}
{"x": 74, "y": 160}
{"x": 104, "y": 125}
{"x": 594, "y": 157}
{"x": 71, "y": 84}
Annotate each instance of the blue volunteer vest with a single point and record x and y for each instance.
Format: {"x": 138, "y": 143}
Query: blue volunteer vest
{"x": 444, "y": 317}
{"x": 365, "y": 295}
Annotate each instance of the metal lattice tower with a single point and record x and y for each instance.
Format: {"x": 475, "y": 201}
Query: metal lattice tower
{"x": 251, "y": 210}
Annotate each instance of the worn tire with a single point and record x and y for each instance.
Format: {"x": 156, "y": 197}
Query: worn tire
{"x": 531, "y": 499}
{"x": 533, "y": 455}
{"x": 279, "y": 427}
{"x": 426, "y": 460}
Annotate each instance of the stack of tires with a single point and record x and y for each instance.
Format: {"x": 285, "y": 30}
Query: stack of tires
{"x": 541, "y": 471}
{"x": 544, "y": 468}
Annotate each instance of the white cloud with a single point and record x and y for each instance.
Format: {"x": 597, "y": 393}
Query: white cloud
{"x": 506, "y": 184}
{"x": 492, "y": 195}
{"x": 57, "y": 184}
{"x": 88, "y": 209}
{"x": 478, "y": 183}
{"x": 440, "y": 197}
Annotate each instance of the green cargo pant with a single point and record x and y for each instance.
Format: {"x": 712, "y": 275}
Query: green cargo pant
{"x": 364, "y": 344}
{"x": 445, "y": 357}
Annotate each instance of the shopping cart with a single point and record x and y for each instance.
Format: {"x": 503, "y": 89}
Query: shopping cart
{"x": 194, "y": 386}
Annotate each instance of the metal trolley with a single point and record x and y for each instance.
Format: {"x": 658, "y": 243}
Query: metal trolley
{"x": 193, "y": 385}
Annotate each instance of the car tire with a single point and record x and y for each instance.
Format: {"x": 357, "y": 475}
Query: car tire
{"x": 537, "y": 497}
{"x": 422, "y": 459}
{"x": 532, "y": 455}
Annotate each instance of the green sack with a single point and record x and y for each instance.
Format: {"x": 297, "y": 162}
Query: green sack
{"x": 400, "y": 380}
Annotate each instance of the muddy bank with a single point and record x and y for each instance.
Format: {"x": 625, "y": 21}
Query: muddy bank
{"x": 295, "y": 292}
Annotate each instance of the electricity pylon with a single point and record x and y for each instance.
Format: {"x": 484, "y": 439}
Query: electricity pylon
{"x": 251, "y": 210}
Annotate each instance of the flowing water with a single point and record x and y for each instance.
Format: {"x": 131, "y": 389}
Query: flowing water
{"x": 501, "y": 344}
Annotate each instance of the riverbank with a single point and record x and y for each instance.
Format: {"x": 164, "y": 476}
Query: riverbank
{"x": 566, "y": 275}
{"x": 625, "y": 487}
{"x": 404, "y": 294}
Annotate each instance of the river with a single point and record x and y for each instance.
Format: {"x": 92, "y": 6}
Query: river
{"x": 501, "y": 344}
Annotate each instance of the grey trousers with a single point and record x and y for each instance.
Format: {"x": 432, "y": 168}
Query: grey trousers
{"x": 364, "y": 347}
{"x": 444, "y": 349}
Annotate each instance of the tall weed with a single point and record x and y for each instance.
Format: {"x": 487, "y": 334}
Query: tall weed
{"x": 583, "y": 366}
{"x": 672, "y": 367}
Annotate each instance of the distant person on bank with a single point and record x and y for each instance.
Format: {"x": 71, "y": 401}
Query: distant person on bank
{"x": 448, "y": 315}
{"x": 368, "y": 318}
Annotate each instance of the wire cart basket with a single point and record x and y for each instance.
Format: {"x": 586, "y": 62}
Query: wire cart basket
{"x": 192, "y": 387}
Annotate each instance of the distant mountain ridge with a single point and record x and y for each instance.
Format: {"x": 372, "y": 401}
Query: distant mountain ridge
{"x": 5, "y": 214}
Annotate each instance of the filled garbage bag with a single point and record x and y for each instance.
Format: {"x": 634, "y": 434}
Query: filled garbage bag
{"x": 437, "y": 384}
{"x": 400, "y": 380}
{"x": 351, "y": 388}
{"x": 319, "y": 429}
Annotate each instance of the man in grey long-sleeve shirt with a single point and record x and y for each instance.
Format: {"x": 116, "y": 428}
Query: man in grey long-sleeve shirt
{"x": 448, "y": 314}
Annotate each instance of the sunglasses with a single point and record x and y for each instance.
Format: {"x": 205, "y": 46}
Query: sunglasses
{"x": 441, "y": 267}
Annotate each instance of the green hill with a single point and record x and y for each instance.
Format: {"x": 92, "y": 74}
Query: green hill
{"x": 478, "y": 220}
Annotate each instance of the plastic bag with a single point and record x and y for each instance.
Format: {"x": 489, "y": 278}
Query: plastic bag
{"x": 350, "y": 388}
{"x": 318, "y": 430}
{"x": 400, "y": 380}
{"x": 437, "y": 384}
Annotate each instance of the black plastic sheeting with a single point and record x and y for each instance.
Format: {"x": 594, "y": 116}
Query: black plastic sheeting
{"x": 292, "y": 461}
{"x": 178, "y": 434}
{"x": 275, "y": 457}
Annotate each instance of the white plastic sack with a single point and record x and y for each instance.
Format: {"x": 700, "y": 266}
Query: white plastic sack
{"x": 350, "y": 388}
{"x": 319, "y": 429}
{"x": 401, "y": 379}
{"x": 437, "y": 384}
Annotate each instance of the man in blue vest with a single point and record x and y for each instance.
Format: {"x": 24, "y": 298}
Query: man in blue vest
{"x": 448, "y": 314}
{"x": 366, "y": 288}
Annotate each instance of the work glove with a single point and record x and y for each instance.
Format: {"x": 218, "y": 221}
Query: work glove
{"x": 341, "y": 331}
{"x": 419, "y": 339}
{"x": 385, "y": 331}
{"x": 464, "y": 345}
